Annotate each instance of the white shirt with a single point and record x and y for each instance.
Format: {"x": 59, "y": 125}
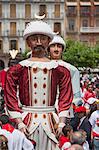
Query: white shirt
{"x": 93, "y": 118}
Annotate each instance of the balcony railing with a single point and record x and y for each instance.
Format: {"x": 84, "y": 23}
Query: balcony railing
{"x": 89, "y": 29}
{"x": 85, "y": 14}
{"x": 7, "y": 33}
{"x": 71, "y": 14}
{"x": 52, "y": 16}
{"x": 85, "y": 0}
{"x": 71, "y": 0}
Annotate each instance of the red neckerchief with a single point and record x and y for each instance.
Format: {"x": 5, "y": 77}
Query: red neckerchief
{"x": 8, "y": 127}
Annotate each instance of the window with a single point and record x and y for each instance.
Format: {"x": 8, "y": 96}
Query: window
{"x": 0, "y": 28}
{"x": 27, "y": 10}
{"x": 57, "y": 10}
{"x": 71, "y": 24}
{"x": 42, "y": 9}
{"x": 13, "y": 44}
{"x": 71, "y": 9}
{"x": 57, "y": 27}
{"x": 85, "y": 23}
{"x": 0, "y": 10}
{"x": 85, "y": 10}
{"x": 1, "y": 46}
{"x": 13, "y": 10}
{"x": 97, "y": 23}
{"x": 13, "y": 28}
{"x": 97, "y": 9}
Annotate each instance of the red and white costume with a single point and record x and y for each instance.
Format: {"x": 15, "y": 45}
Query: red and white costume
{"x": 38, "y": 83}
{"x": 93, "y": 120}
{"x": 16, "y": 139}
{"x": 2, "y": 77}
{"x": 75, "y": 80}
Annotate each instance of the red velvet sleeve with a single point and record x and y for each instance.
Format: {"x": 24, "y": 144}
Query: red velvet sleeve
{"x": 10, "y": 89}
{"x": 65, "y": 89}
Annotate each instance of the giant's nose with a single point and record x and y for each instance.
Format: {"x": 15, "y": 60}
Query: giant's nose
{"x": 38, "y": 41}
{"x": 56, "y": 47}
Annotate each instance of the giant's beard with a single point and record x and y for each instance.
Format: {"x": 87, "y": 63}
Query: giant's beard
{"x": 39, "y": 51}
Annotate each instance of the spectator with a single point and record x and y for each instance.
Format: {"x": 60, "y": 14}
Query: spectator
{"x": 19, "y": 140}
{"x": 75, "y": 147}
{"x": 89, "y": 93}
{"x": 94, "y": 120}
{"x": 64, "y": 140}
{"x": 84, "y": 122}
{"x": 3, "y": 142}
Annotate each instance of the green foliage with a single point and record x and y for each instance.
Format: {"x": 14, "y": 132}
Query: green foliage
{"x": 24, "y": 54}
{"x": 81, "y": 55}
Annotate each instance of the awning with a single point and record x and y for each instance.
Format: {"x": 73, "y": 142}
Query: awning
{"x": 85, "y": 3}
{"x": 96, "y": 3}
{"x": 71, "y": 3}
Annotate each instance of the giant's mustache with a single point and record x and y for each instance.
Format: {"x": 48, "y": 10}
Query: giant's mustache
{"x": 39, "y": 48}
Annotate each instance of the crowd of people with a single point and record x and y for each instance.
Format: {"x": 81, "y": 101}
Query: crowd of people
{"x": 48, "y": 104}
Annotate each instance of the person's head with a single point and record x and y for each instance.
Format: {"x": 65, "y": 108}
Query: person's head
{"x": 56, "y": 47}
{"x": 90, "y": 87}
{"x": 81, "y": 111}
{"x": 77, "y": 138}
{"x": 3, "y": 143}
{"x": 4, "y": 119}
{"x": 67, "y": 130}
{"x": 38, "y": 34}
{"x": 76, "y": 147}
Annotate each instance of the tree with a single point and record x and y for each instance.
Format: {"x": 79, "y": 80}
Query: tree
{"x": 80, "y": 54}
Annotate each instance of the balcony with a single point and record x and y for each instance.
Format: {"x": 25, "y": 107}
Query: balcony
{"x": 71, "y": 0}
{"x": 89, "y": 29}
{"x": 8, "y": 33}
{"x": 71, "y": 13}
{"x": 85, "y": 0}
{"x": 56, "y": 17}
{"x": 85, "y": 13}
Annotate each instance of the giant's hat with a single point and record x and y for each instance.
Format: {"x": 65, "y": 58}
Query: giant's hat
{"x": 58, "y": 39}
{"x": 38, "y": 27}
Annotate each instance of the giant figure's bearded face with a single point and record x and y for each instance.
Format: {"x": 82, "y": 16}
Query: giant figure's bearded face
{"x": 38, "y": 43}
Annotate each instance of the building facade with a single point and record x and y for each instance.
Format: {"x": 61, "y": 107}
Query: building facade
{"x": 15, "y": 14}
{"x": 82, "y": 20}
{"x": 75, "y": 19}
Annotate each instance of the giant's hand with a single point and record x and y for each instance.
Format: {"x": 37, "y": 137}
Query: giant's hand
{"x": 22, "y": 127}
{"x": 62, "y": 123}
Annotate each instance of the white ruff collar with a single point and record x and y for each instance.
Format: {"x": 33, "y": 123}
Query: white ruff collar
{"x": 38, "y": 64}
{"x": 49, "y": 65}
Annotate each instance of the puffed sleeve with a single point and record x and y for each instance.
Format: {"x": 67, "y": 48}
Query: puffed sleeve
{"x": 10, "y": 90}
{"x": 65, "y": 91}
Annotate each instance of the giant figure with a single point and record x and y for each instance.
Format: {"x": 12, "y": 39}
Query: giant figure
{"x": 36, "y": 79}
